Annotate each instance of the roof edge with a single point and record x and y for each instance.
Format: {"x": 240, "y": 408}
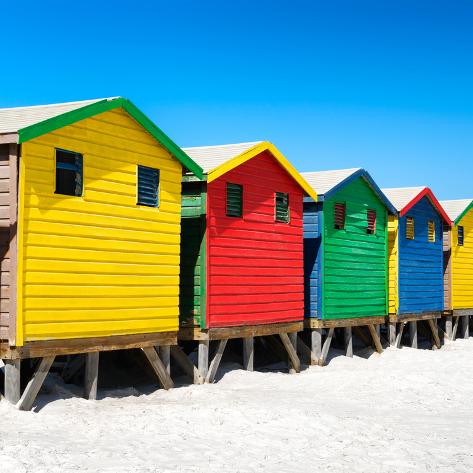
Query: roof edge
{"x": 465, "y": 211}
{"x": 254, "y": 151}
{"x": 68, "y": 118}
{"x": 427, "y": 192}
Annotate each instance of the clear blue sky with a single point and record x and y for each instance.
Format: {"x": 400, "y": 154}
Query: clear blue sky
{"x": 385, "y": 85}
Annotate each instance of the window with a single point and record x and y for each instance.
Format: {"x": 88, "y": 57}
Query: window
{"x": 282, "y": 207}
{"x": 461, "y": 236}
{"x": 234, "y": 200}
{"x": 339, "y": 216}
{"x": 68, "y": 173}
{"x": 148, "y": 186}
{"x": 410, "y": 228}
{"x": 431, "y": 231}
{"x": 371, "y": 222}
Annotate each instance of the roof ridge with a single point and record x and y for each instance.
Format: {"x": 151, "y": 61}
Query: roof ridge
{"x": 60, "y": 103}
{"x": 228, "y": 144}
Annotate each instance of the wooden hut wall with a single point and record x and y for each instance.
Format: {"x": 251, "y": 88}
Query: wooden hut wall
{"x": 393, "y": 262}
{"x": 447, "y": 267}
{"x": 421, "y": 262}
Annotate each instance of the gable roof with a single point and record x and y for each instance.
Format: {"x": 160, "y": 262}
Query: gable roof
{"x": 456, "y": 209}
{"x": 26, "y": 123}
{"x": 404, "y": 198}
{"x": 327, "y": 183}
{"x": 218, "y": 160}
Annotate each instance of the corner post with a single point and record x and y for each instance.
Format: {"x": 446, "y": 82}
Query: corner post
{"x": 248, "y": 353}
{"x": 12, "y": 380}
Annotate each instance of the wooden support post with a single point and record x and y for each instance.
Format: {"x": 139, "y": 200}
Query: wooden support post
{"x": 293, "y": 339}
{"x": 12, "y": 380}
{"x": 392, "y": 333}
{"x": 449, "y": 327}
{"x": 308, "y": 353}
{"x": 435, "y": 333}
{"x": 376, "y": 340}
{"x": 91, "y": 375}
{"x": 291, "y": 351}
{"x": 399, "y": 334}
{"x": 248, "y": 353}
{"x": 203, "y": 359}
{"x": 465, "y": 326}
{"x": 413, "y": 333}
{"x": 32, "y": 389}
{"x": 326, "y": 346}
{"x": 158, "y": 367}
{"x": 455, "y": 327}
{"x": 188, "y": 367}
{"x": 316, "y": 342}
{"x": 216, "y": 361}
{"x": 165, "y": 355}
{"x": 348, "y": 337}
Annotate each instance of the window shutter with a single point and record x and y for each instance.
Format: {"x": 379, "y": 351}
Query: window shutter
{"x": 371, "y": 221}
{"x": 282, "y": 207}
{"x": 431, "y": 231}
{"x": 410, "y": 228}
{"x": 461, "y": 236}
{"x": 339, "y": 216}
{"x": 148, "y": 186}
{"x": 234, "y": 200}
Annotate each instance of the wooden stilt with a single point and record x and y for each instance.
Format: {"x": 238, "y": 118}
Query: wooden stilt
{"x": 216, "y": 361}
{"x": 316, "y": 341}
{"x": 91, "y": 375}
{"x": 449, "y": 327}
{"x": 158, "y": 367}
{"x": 12, "y": 380}
{"x": 248, "y": 353}
{"x": 392, "y": 333}
{"x": 465, "y": 326}
{"x": 293, "y": 339}
{"x": 413, "y": 333}
{"x": 291, "y": 351}
{"x": 375, "y": 337}
{"x": 348, "y": 338}
{"x": 307, "y": 352}
{"x": 165, "y": 355}
{"x": 187, "y": 366}
{"x": 455, "y": 327}
{"x": 32, "y": 389}
{"x": 203, "y": 361}
{"x": 326, "y": 345}
{"x": 399, "y": 334}
{"x": 435, "y": 332}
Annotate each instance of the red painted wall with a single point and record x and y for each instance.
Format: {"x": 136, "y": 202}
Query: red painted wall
{"x": 255, "y": 269}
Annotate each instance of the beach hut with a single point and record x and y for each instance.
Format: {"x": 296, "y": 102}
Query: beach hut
{"x": 345, "y": 256}
{"x": 90, "y": 211}
{"x": 416, "y": 273}
{"x": 458, "y": 263}
{"x": 242, "y": 249}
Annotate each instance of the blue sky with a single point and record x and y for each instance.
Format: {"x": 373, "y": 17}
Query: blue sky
{"x": 385, "y": 85}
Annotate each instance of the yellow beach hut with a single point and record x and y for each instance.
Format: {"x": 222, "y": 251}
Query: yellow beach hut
{"x": 90, "y": 202}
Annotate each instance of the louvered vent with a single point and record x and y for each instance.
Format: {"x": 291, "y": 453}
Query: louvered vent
{"x": 431, "y": 231}
{"x": 461, "y": 236}
{"x": 148, "y": 186}
{"x": 409, "y": 228}
{"x": 234, "y": 200}
{"x": 371, "y": 222}
{"x": 282, "y": 207}
{"x": 339, "y": 216}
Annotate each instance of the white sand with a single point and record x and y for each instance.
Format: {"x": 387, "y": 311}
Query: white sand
{"x": 404, "y": 411}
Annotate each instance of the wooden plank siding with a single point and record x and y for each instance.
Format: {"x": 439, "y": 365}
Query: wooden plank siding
{"x": 255, "y": 265}
{"x": 447, "y": 267}
{"x": 393, "y": 262}
{"x": 4, "y": 241}
{"x": 462, "y": 266}
{"x": 421, "y": 262}
{"x": 354, "y": 261}
{"x": 99, "y": 264}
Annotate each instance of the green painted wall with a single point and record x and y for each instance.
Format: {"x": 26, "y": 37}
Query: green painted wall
{"x": 193, "y": 243}
{"x": 354, "y": 262}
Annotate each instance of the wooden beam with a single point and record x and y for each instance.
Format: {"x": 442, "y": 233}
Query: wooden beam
{"x": 465, "y": 326}
{"x": 449, "y": 327}
{"x": 8, "y": 138}
{"x": 248, "y": 353}
{"x": 32, "y": 389}
{"x": 326, "y": 346}
{"x": 165, "y": 355}
{"x": 435, "y": 333}
{"x": 455, "y": 327}
{"x": 316, "y": 342}
{"x": 186, "y": 364}
{"x": 413, "y": 333}
{"x": 392, "y": 333}
{"x": 12, "y": 380}
{"x": 293, "y": 339}
{"x": 307, "y": 352}
{"x": 291, "y": 351}
{"x": 91, "y": 375}
{"x": 376, "y": 340}
{"x": 340, "y": 323}
{"x": 158, "y": 367}
{"x": 203, "y": 359}
{"x": 348, "y": 339}
{"x": 399, "y": 334}
{"x": 215, "y": 363}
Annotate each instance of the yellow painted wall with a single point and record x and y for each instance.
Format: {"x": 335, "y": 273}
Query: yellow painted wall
{"x": 99, "y": 264}
{"x": 462, "y": 264}
{"x": 393, "y": 249}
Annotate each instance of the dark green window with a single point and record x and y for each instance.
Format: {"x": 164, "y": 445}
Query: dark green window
{"x": 148, "y": 186}
{"x": 68, "y": 173}
{"x": 461, "y": 236}
{"x": 282, "y": 207}
{"x": 234, "y": 200}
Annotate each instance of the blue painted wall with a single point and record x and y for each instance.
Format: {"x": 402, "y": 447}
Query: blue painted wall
{"x": 421, "y": 262}
{"x": 312, "y": 258}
